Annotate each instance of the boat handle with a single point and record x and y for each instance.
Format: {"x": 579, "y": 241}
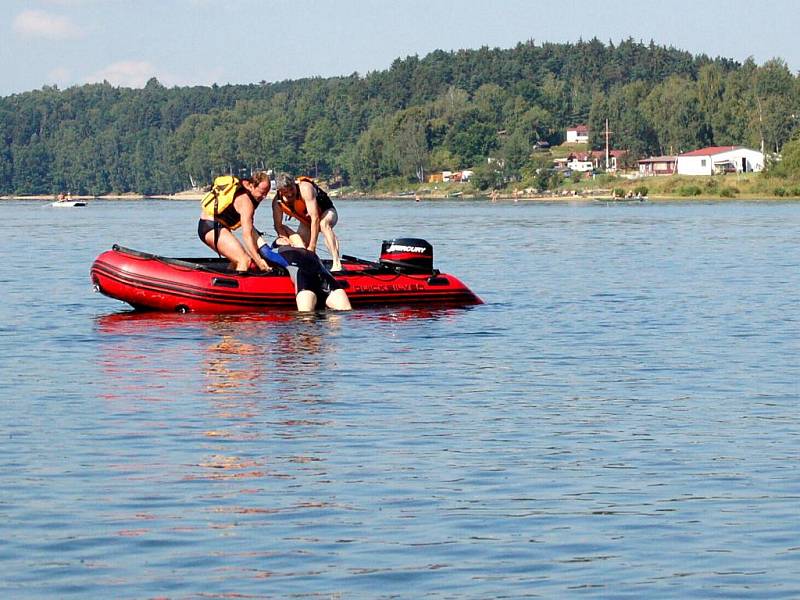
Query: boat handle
{"x": 223, "y": 282}
{"x": 437, "y": 280}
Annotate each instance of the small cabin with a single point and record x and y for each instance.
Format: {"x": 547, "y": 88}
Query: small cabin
{"x": 657, "y": 165}
{"x": 579, "y": 134}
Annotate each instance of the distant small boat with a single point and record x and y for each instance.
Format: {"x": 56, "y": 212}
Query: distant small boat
{"x": 68, "y": 203}
{"x": 621, "y": 199}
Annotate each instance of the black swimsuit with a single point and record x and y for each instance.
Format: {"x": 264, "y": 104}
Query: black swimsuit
{"x": 305, "y": 268}
{"x": 204, "y": 226}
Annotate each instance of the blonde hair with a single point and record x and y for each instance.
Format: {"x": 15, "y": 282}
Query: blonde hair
{"x": 258, "y": 176}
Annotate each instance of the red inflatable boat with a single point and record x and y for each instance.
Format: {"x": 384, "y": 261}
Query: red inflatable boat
{"x": 404, "y": 275}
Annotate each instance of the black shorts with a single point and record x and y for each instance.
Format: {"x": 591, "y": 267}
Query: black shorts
{"x": 204, "y": 226}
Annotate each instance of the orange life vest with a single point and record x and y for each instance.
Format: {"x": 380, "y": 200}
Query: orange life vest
{"x": 297, "y": 208}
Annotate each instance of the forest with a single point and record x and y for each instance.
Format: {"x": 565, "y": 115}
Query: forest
{"x": 447, "y": 110}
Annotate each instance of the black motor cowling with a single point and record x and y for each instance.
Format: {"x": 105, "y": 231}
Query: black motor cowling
{"x": 409, "y": 255}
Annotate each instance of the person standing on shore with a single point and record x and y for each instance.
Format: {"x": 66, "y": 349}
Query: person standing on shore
{"x": 304, "y": 200}
{"x": 215, "y": 229}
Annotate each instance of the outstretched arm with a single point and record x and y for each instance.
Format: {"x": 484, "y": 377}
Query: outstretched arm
{"x": 281, "y": 229}
{"x": 309, "y": 196}
{"x": 249, "y": 234}
{"x": 277, "y": 219}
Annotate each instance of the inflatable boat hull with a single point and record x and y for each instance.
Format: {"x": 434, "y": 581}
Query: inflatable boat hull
{"x": 205, "y": 285}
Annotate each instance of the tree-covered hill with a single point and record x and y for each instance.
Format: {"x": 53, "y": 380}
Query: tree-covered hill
{"x": 447, "y": 110}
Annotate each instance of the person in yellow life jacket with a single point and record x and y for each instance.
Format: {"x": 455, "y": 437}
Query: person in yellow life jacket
{"x": 216, "y": 226}
{"x": 304, "y": 200}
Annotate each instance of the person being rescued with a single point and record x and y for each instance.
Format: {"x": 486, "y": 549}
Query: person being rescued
{"x": 313, "y": 283}
{"x": 304, "y": 200}
{"x": 216, "y": 226}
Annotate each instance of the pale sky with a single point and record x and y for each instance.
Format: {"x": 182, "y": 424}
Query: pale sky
{"x": 200, "y": 42}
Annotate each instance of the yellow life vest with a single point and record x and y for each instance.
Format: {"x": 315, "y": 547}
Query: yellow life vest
{"x": 220, "y": 196}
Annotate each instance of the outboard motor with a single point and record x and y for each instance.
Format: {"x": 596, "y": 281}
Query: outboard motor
{"x": 408, "y": 255}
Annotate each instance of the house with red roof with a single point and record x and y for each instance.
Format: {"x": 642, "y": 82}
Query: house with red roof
{"x": 720, "y": 159}
{"x": 615, "y": 157}
{"x": 578, "y": 134}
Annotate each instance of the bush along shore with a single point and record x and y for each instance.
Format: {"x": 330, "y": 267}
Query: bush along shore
{"x": 742, "y": 186}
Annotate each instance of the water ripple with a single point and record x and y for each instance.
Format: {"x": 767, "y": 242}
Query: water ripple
{"x": 617, "y": 421}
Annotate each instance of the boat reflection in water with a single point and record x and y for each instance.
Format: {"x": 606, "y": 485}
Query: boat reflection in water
{"x": 246, "y": 368}
{"x": 241, "y": 364}
{"x": 245, "y": 422}
{"x": 223, "y": 395}
{"x": 240, "y": 354}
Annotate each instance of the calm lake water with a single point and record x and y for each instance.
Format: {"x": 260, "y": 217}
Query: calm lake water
{"x": 619, "y": 420}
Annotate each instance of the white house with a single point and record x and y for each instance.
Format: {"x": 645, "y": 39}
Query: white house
{"x": 578, "y": 134}
{"x": 720, "y": 159}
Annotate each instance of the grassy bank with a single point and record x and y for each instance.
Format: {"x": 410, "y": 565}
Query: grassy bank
{"x": 730, "y": 186}
{"x": 744, "y": 186}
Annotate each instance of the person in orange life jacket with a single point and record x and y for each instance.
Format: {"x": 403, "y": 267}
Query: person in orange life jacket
{"x": 216, "y": 231}
{"x": 312, "y": 207}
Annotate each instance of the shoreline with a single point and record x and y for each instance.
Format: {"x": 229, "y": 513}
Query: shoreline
{"x": 501, "y": 198}
{"x": 130, "y": 196}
